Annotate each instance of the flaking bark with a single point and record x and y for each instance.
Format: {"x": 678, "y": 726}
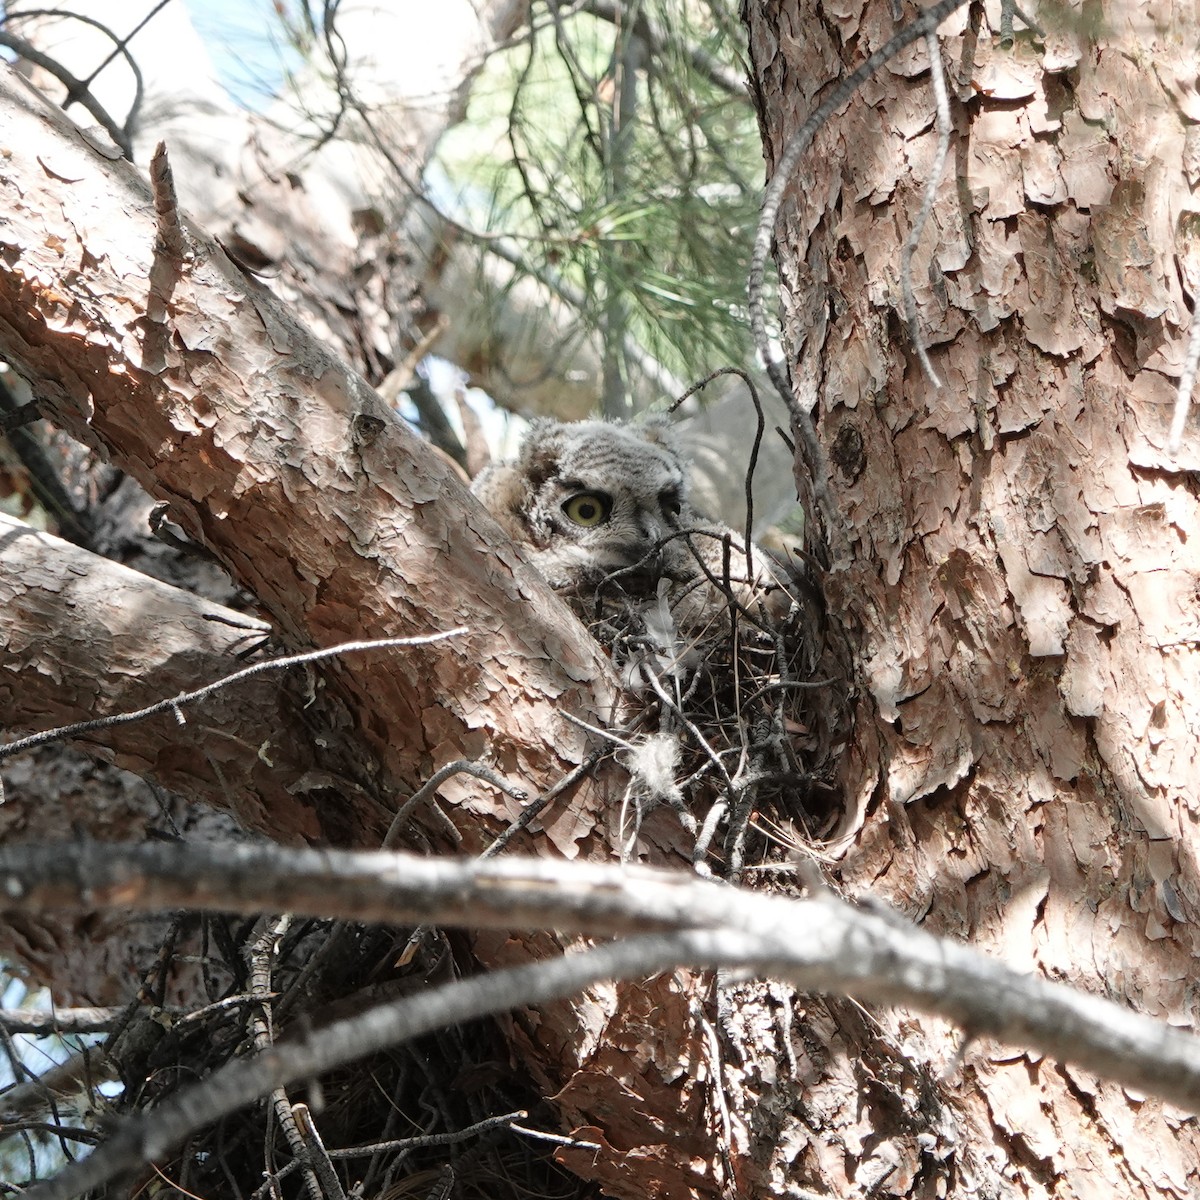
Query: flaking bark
{"x": 286, "y": 467}
{"x": 1020, "y": 580}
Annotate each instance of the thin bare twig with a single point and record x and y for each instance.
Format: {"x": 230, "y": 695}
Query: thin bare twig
{"x": 76, "y": 88}
{"x": 120, "y": 47}
{"x": 752, "y": 464}
{"x": 503, "y": 1120}
{"x": 62, "y": 1020}
{"x": 176, "y": 703}
{"x": 557, "y": 1138}
{"x": 319, "y": 1158}
{"x": 260, "y": 954}
{"x": 461, "y": 766}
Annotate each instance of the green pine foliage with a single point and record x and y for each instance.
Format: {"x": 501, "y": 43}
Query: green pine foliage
{"x": 619, "y": 154}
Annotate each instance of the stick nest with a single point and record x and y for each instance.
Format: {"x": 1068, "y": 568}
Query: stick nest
{"x": 738, "y": 711}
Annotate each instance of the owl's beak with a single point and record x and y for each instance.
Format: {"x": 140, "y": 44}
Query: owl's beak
{"x": 645, "y": 565}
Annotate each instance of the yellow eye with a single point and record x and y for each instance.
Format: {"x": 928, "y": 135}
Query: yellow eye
{"x": 588, "y": 508}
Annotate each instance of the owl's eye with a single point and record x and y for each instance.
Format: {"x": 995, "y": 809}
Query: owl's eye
{"x": 670, "y": 503}
{"x": 588, "y": 508}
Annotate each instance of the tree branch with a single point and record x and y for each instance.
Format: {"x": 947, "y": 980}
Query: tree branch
{"x": 818, "y": 944}
{"x": 83, "y": 637}
{"x": 61, "y": 1020}
{"x": 390, "y": 544}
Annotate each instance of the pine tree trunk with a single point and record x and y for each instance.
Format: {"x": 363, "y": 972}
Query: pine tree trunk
{"x": 1020, "y": 577}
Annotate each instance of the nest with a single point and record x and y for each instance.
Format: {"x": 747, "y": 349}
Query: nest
{"x": 735, "y": 719}
{"x": 738, "y": 711}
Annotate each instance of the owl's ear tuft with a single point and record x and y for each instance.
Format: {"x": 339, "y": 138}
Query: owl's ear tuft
{"x": 504, "y": 491}
{"x": 541, "y": 451}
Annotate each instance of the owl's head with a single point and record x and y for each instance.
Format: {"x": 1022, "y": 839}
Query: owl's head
{"x": 591, "y": 497}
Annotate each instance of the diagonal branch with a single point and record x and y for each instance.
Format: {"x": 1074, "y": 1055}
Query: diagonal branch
{"x": 83, "y": 636}
{"x": 284, "y": 464}
{"x": 820, "y": 942}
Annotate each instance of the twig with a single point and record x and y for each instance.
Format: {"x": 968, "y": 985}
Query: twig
{"x": 938, "y": 77}
{"x": 44, "y": 479}
{"x": 752, "y": 465}
{"x": 166, "y": 206}
{"x": 201, "y": 1014}
{"x": 76, "y": 88}
{"x": 176, "y": 702}
{"x": 557, "y": 1138}
{"x": 1008, "y": 10}
{"x": 461, "y": 766}
{"x": 37, "y": 1092}
{"x": 318, "y": 1156}
{"x": 538, "y": 804}
{"x": 122, "y": 47}
{"x": 260, "y": 953}
{"x": 504, "y": 1120}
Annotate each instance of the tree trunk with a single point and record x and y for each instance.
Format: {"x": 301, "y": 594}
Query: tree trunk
{"x": 1020, "y": 576}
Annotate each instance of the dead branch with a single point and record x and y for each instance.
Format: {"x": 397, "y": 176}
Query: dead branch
{"x": 77, "y": 89}
{"x": 71, "y": 650}
{"x": 820, "y": 943}
{"x": 62, "y": 1020}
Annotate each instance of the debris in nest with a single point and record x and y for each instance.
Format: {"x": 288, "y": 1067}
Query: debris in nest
{"x": 440, "y": 1115}
{"x": 736, "y": 709}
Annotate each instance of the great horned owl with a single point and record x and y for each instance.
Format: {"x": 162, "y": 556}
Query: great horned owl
{"x": 603, "y": 510}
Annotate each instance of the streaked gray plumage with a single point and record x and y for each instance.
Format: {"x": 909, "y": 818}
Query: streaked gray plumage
{"x": 591, "y": 498}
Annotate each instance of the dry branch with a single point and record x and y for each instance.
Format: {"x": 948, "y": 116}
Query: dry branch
{"x": 62, "y": 1020}
{"x": 819, "y": 943}
{"x": 83, "y": 636}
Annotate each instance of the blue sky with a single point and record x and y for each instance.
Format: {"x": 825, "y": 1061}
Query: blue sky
{"x": 244, "y": 38}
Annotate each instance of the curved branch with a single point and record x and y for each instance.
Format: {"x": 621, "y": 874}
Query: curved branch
{"x": 77, "y": 89}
